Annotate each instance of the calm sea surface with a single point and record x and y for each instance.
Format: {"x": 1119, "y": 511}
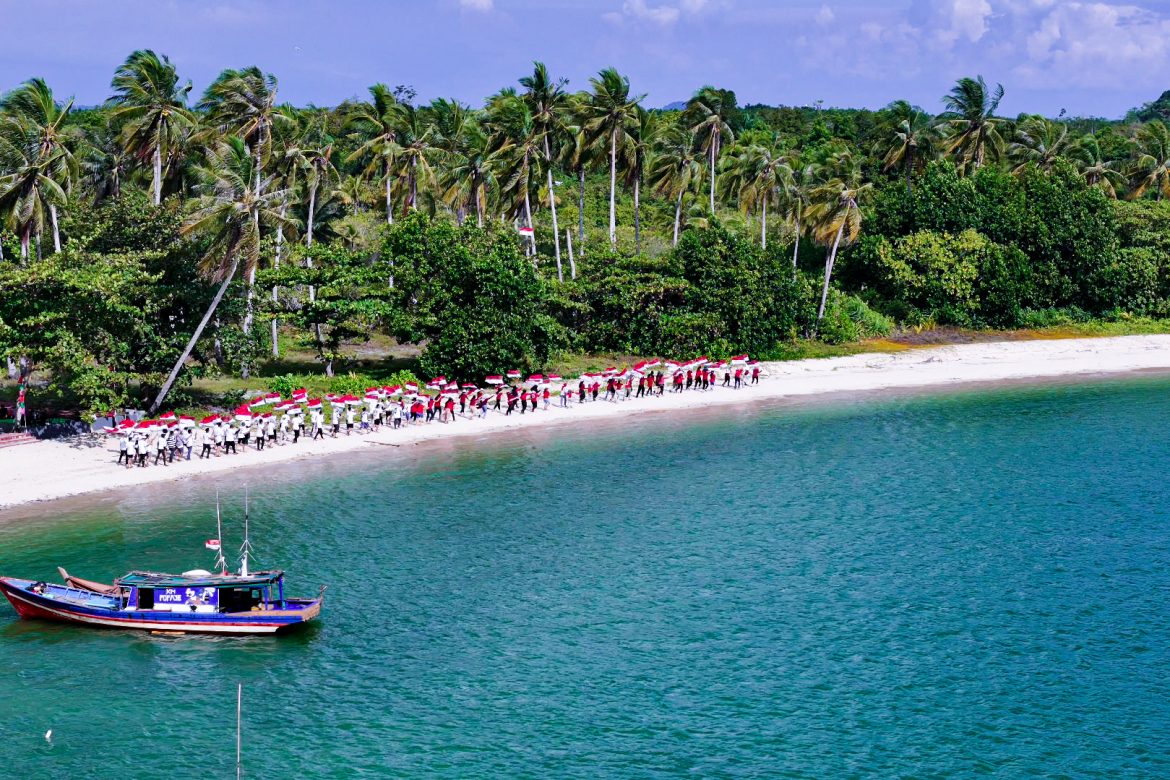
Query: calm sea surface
{"x": 961, "y": 585}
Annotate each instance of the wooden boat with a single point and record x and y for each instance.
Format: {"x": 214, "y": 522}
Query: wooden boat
{"x": 193, "y": 602}
{"x": 189, "y": 603}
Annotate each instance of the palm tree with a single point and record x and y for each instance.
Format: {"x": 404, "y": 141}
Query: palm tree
{"x": 29, "y": 188}
{"x": 1151, "y": 168}
{"x": 579, "y": 154}
{"x": 759, "y": 174}
{"x": 1095, "y": 169}
{"x": 676, "y": 169}
{"x": 972, "y": 129}
{"x": 514, "y": 126}
{"x": 907, "y": 139}
{"x": 637, "y": 150}
{"x": 153, "y": 105}
{"x": 413, "y": 151}
{"x": 1039, "y": 142}
{"x": 42, "y": 122}
{"x": 549, "y": 104}
{"x": 796, "y": 196}
{"x": 378, "y": 122}
{"x": 836, "y": 214}
{"x": 611, "y": 116}
{"x": 710, "y": 110}
{"x": 473, "y": 165}
{"x": 353, "y": 192}
{"x": 105, "y": 164}
{"x": 243, "y": 103}
{"x": 290, "y": 160}
{"x": 229, "y": 214}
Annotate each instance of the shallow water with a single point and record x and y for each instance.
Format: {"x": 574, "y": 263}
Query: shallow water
{"x": 966, "y": 584}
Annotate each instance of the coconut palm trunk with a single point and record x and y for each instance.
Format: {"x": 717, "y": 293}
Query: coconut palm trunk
{"x": 552, "y": 206}
{"x": 56, "y": 230}
{"x": 677, "y": 216}
{"x": 832, "y": 258}
{"x": 157, "y": 174}
{"x": 166, "y": 388}
{"x": 795, "y": 245}
{"x": 531, "y": 250}
{"x": 764, "y": 226}
{"x": 637, "y": 215}
{"x": 389, "y": 201}
{"x": 572, "y": 262}
{"x": 275, "y": 288}
{"x": 714, "y": 151}
{"x": 581, "y": 208}
{"x": 612, "y": 189}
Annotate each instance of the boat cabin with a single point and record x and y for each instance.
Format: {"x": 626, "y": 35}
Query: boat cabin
{"x": 203, "y": 592}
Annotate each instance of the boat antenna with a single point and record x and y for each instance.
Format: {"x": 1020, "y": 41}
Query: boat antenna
{"x": 220, "y": 561}
{"x": 239, "y": 703}
{"x": 246, "y": 547}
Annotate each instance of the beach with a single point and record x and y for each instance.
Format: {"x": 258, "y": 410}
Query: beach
{"x": 48, "y": 470}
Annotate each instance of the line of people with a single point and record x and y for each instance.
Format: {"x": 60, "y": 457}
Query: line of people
{"x": 225, "y": 437}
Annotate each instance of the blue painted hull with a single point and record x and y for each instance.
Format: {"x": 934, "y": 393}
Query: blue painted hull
{"x": 69, "y": 605}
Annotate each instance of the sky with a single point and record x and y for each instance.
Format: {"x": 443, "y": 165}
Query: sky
{"x": 1086, "y": 57}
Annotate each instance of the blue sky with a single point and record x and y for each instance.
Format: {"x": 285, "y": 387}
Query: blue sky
{"x": 1090, "y": 57}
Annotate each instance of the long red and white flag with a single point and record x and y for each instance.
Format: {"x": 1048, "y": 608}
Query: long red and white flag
{"x": 212, "y": 544}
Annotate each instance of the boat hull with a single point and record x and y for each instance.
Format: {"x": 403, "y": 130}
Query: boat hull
{"x": 35, "y": 606}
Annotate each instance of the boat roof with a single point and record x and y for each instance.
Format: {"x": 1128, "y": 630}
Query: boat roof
{"x": 151, "y": 579}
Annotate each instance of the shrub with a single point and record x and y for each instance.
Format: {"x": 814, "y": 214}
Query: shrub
{"x": 848, "y": 318}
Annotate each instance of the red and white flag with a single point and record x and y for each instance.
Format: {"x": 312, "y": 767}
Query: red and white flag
{"x": 524, "y": 231}
{"x": 212, "y": 544}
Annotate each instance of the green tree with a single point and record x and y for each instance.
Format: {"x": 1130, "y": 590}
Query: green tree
{"x": 676, "y": 169}
{"x": 446, "y": 274}
{"x": 152, "y": 104}
{"x": 43, "y": 140}
{"x": 351, "y": 302}
{"x": 229, "y": 215}
{"x": 377, "y": 123}
{"x": 972, "y": 131}
{"x": 709, "y": 112}
{"x": 1151, "y": 168}
{"x": 1097, "y": 171}
{"x": 1040, "y": 142}
{"x": 549, "y": 104}
{"x": 611, "y": 117}
{"x": 836, "y": 215}
{"x": 906, "y": 140}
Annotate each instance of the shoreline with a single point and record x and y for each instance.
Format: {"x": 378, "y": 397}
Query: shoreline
{"x": 50, "y": 470}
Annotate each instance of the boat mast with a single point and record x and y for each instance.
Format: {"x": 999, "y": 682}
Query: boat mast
{"x": 220, "y": 561}
{"x": 246, "y": 547}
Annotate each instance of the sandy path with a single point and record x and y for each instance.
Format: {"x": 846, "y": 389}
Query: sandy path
{"x": 54, "y": 469}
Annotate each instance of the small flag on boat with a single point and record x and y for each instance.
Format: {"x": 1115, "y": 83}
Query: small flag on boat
{"x": 212, "y": 544}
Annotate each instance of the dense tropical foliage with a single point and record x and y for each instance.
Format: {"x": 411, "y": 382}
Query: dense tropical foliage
{"x": 164, "y": 236}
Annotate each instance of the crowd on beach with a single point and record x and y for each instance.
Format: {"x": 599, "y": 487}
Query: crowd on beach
{"x": 270, "y": 420}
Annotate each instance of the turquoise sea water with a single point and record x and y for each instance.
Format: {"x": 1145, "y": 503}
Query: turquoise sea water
{"x": 962, "y": 585}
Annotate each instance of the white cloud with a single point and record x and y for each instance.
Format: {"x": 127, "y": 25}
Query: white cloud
{"x": 476, "y": 5}
{"x": 825, "y": 15}
{"x": 1096, "y": 44}
{"x": 663, "y": 14}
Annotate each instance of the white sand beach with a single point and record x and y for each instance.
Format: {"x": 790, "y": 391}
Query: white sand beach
{"x": 48, "y": 470}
